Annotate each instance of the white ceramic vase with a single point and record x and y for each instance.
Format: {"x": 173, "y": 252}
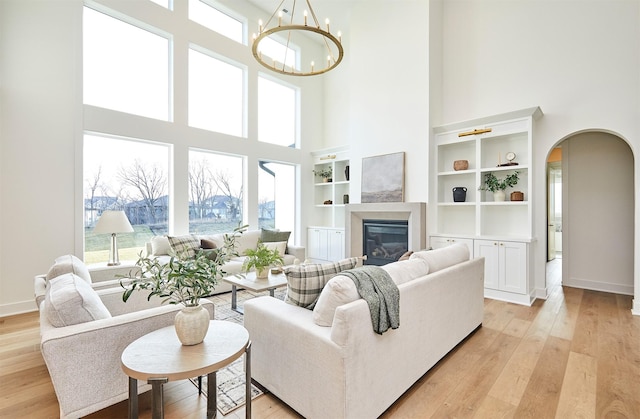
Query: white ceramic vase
{"x": 498, "y": 196}
{"x": 262, "y": 273}
{"x": 192, "y": 324}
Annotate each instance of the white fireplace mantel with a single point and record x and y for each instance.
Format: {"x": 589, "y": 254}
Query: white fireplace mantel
{"x": 413, "y": 212}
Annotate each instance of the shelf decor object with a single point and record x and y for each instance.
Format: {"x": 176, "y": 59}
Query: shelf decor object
{"x": 296, "y": 30}
{"x": 460, "y": 165}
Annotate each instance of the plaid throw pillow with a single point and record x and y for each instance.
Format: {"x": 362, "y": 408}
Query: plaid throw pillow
{"x": 305, "y": 282}
{"x": 184, "y": 246}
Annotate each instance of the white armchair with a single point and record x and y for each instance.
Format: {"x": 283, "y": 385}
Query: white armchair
{"x": 84, "y": 359}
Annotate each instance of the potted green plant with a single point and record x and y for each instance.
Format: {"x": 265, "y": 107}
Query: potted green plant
{"x": 184, "y": 281}
{"x": 497, "y": 186}
{"x": 261, "y": 259}
{"x": 325, "y": 174}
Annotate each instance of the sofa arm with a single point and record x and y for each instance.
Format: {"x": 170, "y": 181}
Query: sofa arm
{"x": 299, "y": 252}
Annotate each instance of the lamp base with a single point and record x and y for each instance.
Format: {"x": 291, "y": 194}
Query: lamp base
{"x": 113, "y": 263}
{"x": 114, "y": 260}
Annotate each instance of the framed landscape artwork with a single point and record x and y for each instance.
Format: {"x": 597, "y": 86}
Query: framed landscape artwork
{"x": 383, "y": 178}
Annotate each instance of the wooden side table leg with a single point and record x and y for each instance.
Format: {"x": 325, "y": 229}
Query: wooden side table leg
{"x": 212, "y": 395}
{"x": 133, "y": 398}
{"x": 157, "y": 408}
{"x": 247, "y": 367}
{"x": 234, "y": 297}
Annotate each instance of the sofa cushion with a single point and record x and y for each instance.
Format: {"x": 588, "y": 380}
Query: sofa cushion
{"x": 279, "y": 246}
{"x": 68, "y": 264}
{"x": 338, "y": 291}
{"x": 247, "y": 240}
{"x": 160, "y": 246}
{"x": 406, "y": 270}
{"x": 268, "y": 236}
{"x": 71, "y": 300}
{"x": 184, "y": 246}
{"x": 444, "y": 257}
{"x": 305, "y": 282}
{"x": 208, "y": 244}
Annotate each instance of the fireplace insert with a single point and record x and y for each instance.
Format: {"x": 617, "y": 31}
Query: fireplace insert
{"x": 384, "y": 241}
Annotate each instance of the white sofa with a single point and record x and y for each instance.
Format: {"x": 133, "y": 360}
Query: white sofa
{"x": 159, "y": 247}
{"x": 83, "y": 331}
{"x": 345, "y": 370}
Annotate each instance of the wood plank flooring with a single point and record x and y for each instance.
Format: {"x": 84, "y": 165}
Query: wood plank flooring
{"x": 575, "y": 355}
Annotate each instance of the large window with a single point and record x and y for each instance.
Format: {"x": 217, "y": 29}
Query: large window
{"x": 128, "y": 175}
{"x": 276, "y": 196}
{"x": 277, "y": 110}
{"x": 216, "y": 20}
{"x": 215, "y": 192}
{"x": 126, "y": 68}
{"x": 216, "y": 94}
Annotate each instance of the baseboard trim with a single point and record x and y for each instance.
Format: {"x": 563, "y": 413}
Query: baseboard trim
{"x": 17, "y": 308}
{"x": 635, "y": 307}
{"x": 599, "y": 286}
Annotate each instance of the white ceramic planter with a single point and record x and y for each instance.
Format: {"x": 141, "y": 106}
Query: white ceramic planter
{"x": 192, "y": 324}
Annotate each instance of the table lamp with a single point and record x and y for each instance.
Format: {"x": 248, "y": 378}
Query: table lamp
{"x": 112, "y": 222}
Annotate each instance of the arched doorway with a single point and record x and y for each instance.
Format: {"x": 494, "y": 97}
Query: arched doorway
{"x": 598, "y": 204}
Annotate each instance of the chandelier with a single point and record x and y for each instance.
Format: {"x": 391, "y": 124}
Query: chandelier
{"x": 290, "y": 31}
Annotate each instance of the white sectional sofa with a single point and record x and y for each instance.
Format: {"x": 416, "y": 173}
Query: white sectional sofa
{"x": 344, "y": 369}
{"x": 160, "y": 247}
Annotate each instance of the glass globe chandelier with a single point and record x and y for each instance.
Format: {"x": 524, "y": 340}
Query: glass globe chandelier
{"x": 287, "y": 28}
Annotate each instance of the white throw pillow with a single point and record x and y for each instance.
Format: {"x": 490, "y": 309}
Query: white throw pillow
{"x": 279, "y": 246}
{"x": 444, "y": 257}
{"x": 247, "y": 240}
{"x": 406, "y": 270}
{"x": 69, "y": 264}
{"x": 71, "y": 300}
{"x": 160, "y": 246}
{"x": 338, "y": 291}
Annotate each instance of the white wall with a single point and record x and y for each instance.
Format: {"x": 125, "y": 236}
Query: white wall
{"x": 39, "y": 120}
{"x": 598, "y": 213}
{"x": 388, "y": 85}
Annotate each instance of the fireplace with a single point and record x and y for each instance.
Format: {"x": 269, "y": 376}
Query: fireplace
{"x": 384, "y": 241}
{"x": 414, "y": 213}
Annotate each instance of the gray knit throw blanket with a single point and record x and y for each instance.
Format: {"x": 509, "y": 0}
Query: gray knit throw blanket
{"x": 377, "y": 288}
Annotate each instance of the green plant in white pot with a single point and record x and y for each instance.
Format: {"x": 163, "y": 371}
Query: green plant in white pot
{"x": 184, "y": 281}
{"x": 497, "y": 186}
{"x": 262, "y": 259}
{"x": 325, "y": 174}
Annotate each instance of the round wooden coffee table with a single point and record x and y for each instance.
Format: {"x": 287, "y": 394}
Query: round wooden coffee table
{"x": 159, "y": 357}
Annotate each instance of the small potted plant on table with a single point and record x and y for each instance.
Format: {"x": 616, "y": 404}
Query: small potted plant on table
{"x": 497, "y": 186}
{"x": 261, "y": 259}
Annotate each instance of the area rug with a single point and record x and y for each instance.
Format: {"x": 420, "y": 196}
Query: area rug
{"x": 231, "y": 389}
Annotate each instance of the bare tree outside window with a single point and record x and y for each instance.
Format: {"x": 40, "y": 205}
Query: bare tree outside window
{"x": 150, "y": 182}
{"x": 215, "y": 192}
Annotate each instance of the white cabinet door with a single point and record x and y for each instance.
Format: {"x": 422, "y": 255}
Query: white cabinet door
{"x": 505, "y": 265}
{"x": 490, "y": 251}
{"x": 514, "y": 262}
{"x": 335, "y": 251}
{"x": 317, "y": 243}
{"x": 437, "y": 242}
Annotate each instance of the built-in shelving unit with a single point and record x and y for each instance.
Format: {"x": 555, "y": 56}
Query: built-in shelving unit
{"x": 486, "y": 143}
{"x": 325, "y": 239}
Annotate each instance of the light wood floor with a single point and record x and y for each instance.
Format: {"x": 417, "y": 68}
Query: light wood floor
{"x": 575, "y": 355}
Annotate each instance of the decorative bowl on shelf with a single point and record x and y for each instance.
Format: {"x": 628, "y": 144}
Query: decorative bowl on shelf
{"x": 517, "y": 196}
{"x": 460, "y": 164}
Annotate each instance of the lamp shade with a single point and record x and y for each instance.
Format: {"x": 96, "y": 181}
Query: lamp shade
{"x": 113, "y": 222}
